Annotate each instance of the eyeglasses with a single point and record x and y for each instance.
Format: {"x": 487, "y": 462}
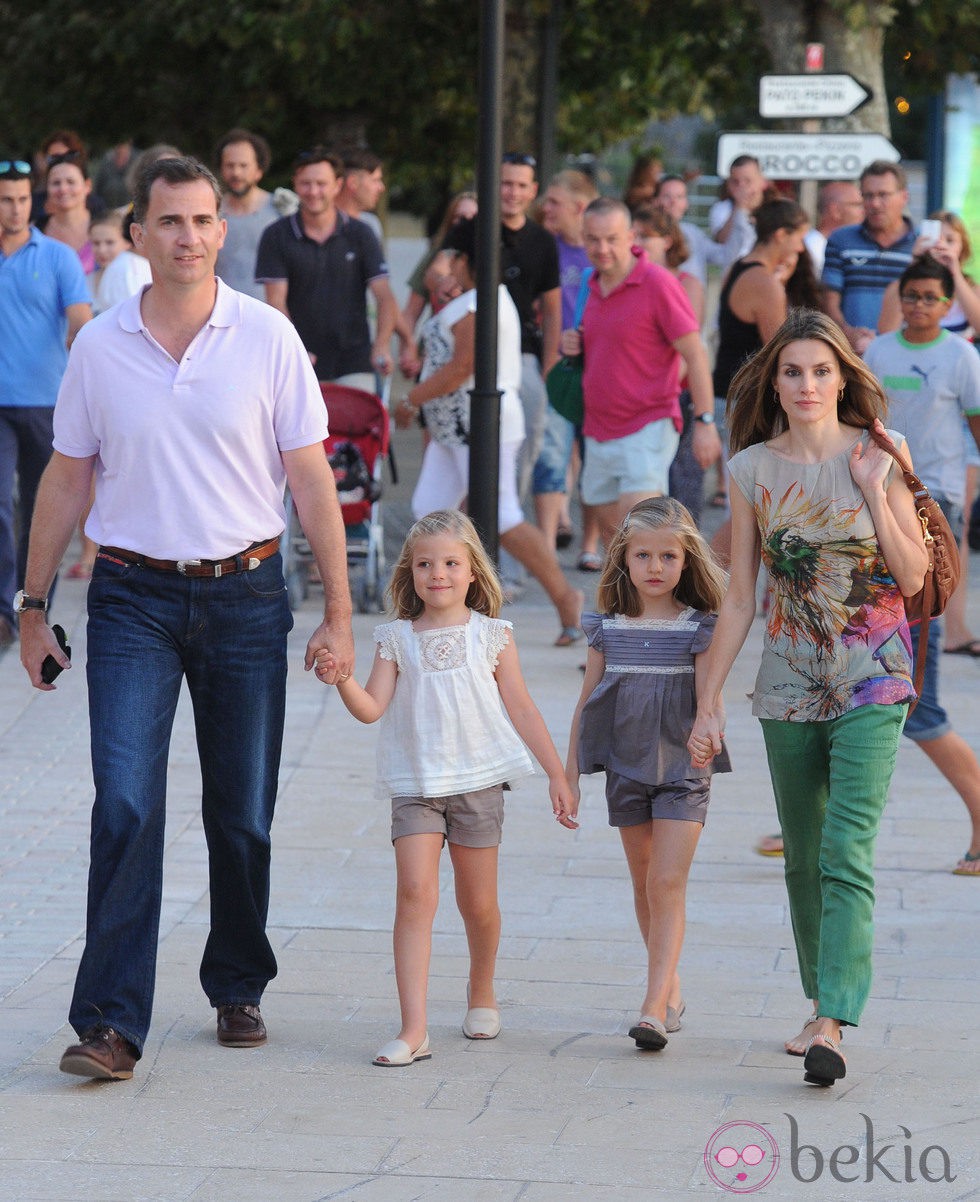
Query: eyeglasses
{"x": 868, "y": 197}
{"x": 16, "y": 167}
{"x": 513, "y": 158}
{"x": 917, "y": 298}
{"x": 751, "y": 1155}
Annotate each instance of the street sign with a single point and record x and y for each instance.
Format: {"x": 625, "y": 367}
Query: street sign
{"x": 810, "y": 95}
{"x": 806, "y": 156}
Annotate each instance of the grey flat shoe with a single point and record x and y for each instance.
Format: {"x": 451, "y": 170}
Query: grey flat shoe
{"x": 674, "y": 1017}
{"x": 649, "y": 1033}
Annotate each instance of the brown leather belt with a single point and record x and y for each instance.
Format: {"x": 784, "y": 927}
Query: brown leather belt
{"x": 247, "y": 561}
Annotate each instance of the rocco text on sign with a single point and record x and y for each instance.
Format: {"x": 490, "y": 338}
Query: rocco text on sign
{"x": 806, "y": 156}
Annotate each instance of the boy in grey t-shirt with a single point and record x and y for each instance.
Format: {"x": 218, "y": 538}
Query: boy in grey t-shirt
{"x": 932, "y": 379}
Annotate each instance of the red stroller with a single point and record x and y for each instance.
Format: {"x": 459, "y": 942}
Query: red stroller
{"x": 356, "y": 447}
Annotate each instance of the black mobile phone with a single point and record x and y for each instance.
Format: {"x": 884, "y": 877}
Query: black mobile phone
{"x": 51, "y": 669}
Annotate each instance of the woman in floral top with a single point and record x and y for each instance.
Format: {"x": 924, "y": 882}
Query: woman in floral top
{"x": 826, "y": 511}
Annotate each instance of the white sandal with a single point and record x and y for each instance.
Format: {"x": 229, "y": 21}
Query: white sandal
{"x": 397, "y": 1054}
{"x": 481, "y": 1022}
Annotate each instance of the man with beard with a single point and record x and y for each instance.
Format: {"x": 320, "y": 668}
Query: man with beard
{"x": 243, "y": 158}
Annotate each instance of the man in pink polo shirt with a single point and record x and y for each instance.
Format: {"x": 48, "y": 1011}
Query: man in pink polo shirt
{"x": 637, "y": 329}
{"x": 192, "y": 406}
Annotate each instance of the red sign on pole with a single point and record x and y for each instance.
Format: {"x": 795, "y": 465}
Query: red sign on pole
{"x": 814, "y": 56}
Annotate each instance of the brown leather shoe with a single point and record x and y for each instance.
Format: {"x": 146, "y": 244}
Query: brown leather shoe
{"x": 241, "y": 1027}
{"x": 101, "y": 1053}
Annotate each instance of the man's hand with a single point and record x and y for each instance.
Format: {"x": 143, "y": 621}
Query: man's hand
{"x": 706, "y": 444}
{"x": 37, "y": 642}
{"x": 338, "y": 639}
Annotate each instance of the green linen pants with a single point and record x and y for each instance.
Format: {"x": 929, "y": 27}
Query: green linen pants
{"x": 831, "y": 781}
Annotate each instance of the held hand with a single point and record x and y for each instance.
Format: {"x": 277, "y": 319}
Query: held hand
{"x": 36, "y": 643}
{"x": 564, "y": 803}
{"x": 381, "y": 358}
{"x": 337, "y": 641}
{"x": 706, "y": 735}
{"x": 408, "y": 362}
{"x": 571, "y": 343}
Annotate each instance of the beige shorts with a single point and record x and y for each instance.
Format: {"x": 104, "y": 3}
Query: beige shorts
{"x": 470, "y": 819}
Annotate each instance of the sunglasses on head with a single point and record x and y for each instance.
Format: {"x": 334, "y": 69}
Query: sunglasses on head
{"x": 69, "y": 156}
{"x": 513, "y": 158}
{"x": 18, "y": 168}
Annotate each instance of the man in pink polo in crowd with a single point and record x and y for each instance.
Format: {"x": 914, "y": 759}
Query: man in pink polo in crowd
{"x": 637, "y": 329}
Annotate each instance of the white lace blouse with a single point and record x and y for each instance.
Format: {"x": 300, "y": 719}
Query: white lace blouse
{"x": 445, "y": 730}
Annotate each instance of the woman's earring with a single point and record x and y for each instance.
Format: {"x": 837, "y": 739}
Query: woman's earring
{"x": 840, "y": 395}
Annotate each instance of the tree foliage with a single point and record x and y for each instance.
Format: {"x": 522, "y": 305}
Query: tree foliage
{"x": 402, "y": 74}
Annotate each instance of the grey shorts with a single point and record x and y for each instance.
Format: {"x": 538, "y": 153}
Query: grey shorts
{"x": 631, "y": 802}
{"x": 470, "y": 819}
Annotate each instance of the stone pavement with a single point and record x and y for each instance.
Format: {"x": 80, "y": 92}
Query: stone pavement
{"x": 561, "y": 1108}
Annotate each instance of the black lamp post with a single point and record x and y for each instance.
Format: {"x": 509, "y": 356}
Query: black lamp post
{"x": 485, "y": 395}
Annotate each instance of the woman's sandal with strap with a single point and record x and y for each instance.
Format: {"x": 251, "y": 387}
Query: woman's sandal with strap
{"x": 823, "y": 1063}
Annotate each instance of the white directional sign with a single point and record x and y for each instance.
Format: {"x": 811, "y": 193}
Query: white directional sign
{"x": 810, "y": 95}
{"x": 806, "y": 156}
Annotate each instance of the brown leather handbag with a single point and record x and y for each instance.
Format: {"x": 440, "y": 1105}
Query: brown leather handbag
{"x": 943, "y": 570}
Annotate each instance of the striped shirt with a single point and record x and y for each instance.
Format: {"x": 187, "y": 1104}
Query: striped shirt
{"x": 860, "y": 270}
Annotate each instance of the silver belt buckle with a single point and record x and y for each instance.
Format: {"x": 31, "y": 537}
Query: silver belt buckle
{"x": 184, "y": 564}
{"x": 252, "y": 563}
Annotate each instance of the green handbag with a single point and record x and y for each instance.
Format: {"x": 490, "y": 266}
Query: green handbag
{"x": 564, "y": 382}
{"x": 564, "y": 385}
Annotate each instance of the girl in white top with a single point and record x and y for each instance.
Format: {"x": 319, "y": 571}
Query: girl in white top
{"x": 445, "y": 680}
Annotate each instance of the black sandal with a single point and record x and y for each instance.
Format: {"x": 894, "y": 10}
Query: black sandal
{"x": 823, "y": 1064}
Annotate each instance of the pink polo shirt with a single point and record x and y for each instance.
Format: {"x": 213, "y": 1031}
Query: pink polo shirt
{"x": 632, "y": 372}
{"x": 189, "y": 459}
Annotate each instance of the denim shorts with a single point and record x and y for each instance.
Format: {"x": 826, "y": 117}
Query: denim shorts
{"x": 929, "y": 720}
{"x": 551, "y": 468}
{"x": 470, "y": 819}
{"x": 636, "y": 463}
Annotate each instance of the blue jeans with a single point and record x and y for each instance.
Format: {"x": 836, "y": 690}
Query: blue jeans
{"x": 25, "y": 448}
{"x": 147, "y": 631}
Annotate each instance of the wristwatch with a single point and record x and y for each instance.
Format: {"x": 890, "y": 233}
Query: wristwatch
{"x": 707, "y": 418}
{"x": 22, "y": 601}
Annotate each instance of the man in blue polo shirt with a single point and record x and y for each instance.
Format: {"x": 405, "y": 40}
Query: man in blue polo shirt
{"x": 862, "y": 260}
{"x": 44, "y": 302}
{"x": 316, "y": 266}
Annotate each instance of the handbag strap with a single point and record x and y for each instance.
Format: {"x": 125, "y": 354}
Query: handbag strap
{"x": 915, "y": 485}
{"x": 919, "y": 493}
{"x": 582, "y": 297}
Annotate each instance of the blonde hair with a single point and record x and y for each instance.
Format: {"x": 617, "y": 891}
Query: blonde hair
{"x": 575, "y": 182}
{"x": 754, "y": 413}
{"x": 956, "y": 222}
{"x": 702, "y": 583}
{"x": 484, "y": 594}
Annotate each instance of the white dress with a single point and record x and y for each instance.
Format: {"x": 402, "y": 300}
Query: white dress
{"x": 445, "y": 730}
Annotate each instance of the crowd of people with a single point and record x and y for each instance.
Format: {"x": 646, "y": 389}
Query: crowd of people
{"x": 168, "y": 435}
